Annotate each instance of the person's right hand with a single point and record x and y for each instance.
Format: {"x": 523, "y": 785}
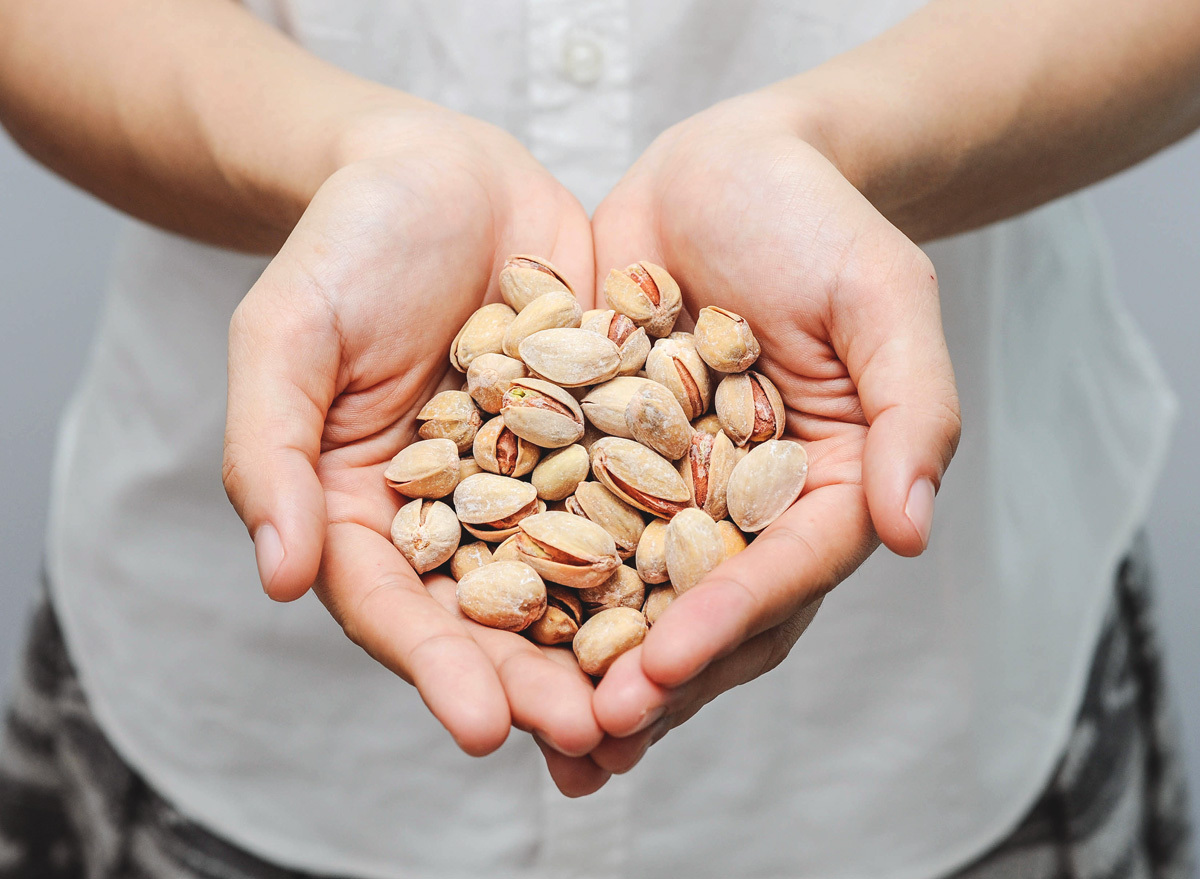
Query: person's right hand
{"x": 332, "y": 354}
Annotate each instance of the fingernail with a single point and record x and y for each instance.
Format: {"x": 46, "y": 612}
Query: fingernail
{"x": 648, "y": 718}
{"x": 268, "y": 552}
{"x": 919, "y": 508}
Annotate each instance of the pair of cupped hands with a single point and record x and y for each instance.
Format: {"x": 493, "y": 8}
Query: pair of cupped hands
{"x": 346, "y": 336}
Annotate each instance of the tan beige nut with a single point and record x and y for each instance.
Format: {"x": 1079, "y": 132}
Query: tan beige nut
{"x": 765, "y": 483}
{"x": 450, "y": 415}
{"x": 651, "y": 557}
{"x": 526, "y": 278}
{"x": 694, "y": 547}
{"x": 657, "y": 601}
{"x": 605, "y": 404}
{"x": 426, "y": 532}
{"x": 490, "y": 376}
{"x": 483, "y": 333}
{"x": 552, "y": 311}
{"x": 705, "y": 471}
{"x": 560, "y": 472}
{"x": 750, "y": 408}
{"x": 630, "y": 339}
{"x": 678, "y": 367}
{"x": 571, "y": 358}
{"x": 639, "y": 476}
{"x": 725, "y": 341}
{"x": 506, "y": 550}
{"x": 606, "y": 636}
{"x": 623, "y": 589}
{"x": 499, "y": 450}
{"x": 491, "y": 506}
{"x": 560, "y": 622}
{"x": 468, "y": 467}
{"x": 624, "y": 522}
{"x": 503, "y": 595}
{"x": 542, "y": 413}
{"x": 567, "y": 549}
{"x": 647, "y": 294}
{"x": 428, "y": 469}
{"x": 735, "y": 540}
{"x": 709, "y": 423}
{"x": 468, "y": 557}
{"x": 657, "y": 421}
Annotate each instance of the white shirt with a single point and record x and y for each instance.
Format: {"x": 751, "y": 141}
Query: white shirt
{"x": 912, "y": 725}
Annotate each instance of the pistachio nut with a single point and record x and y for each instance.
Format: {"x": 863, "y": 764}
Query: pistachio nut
{"x": 468, "y": 467}
{"x": 526, "y": 278}
{"x": 452, "y": 415}
{"x": 426, "y": 532}
{"x": 694, "y": 547}
{"x": 735, "y": 540}
{"x": 591, "y": 433}
{"x": 679, "y": 368}
{"x": 647, "y": 294}
{"x": 593, "y": 501}
{"x": 725, "y": 341}
{"x": 506, "y": 550}
{"x": 707, "y": 424}
{"x": 491, "y": 506}
{"x": 750, "y": 408}
{"x": 499, "y": 450}
{"x": 623, "y": 589}
{"x": 552, "y": 311}
{"x": 630, "y": 339}
{"x": 560, "y": 472}
{"x": 567, "y": 549}
{"x": 428, "y": 468}
{"x": 606, "y": 636}
{"x": 683, "y": 338}
{"x": 605, "y": 404}
{"x": 765, "y": 483}
{"x": 651, "y": 558}
{"x": 705, "y": 471}
{"x": 657, "y": 421}
{"x": 542, "y": 413}
{"x": 657, "y": 601}
{"x": 639, "y": 476}
{"x": 570, "y": 357}
{"x": 560, "y": 622}
{"x": 468, "y": 557}
{"x": 489, "y": 377}
{"x": 483, "y": 333}
{"x": 503, "y": 595}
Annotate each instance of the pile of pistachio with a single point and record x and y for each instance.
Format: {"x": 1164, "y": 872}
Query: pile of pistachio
{"x": 568, "y": 394}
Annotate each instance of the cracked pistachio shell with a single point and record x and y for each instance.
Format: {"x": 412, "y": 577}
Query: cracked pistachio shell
{"x": 693, "y": 547}
{"x": 657, "y": 421}
{"x": 542, "y": 413}
{"x": 606, "y": 636}
{"x": 725, "y": 341}
{"x": 561, "y": 472}
{"x": 623, "y": 589}
{"x": 552, "y": 311}
{"x": 683, "y": 338}
{"x": 765, "y": 483}
{"x": 709, "y": 424}
{"x": 469, "y": 557}
{"x": 503, "y": 595}
{"x": 705, "y": 471}
{"x": 647, "y": 294}
{"x": 639, "y": 476}
{"x": 735, "y": 540}
{"x": 605, "y": 404}
{"x": 506, "y": 550}
{"x": 489, "y": 377}
{"x": 499, "y": 450}
{"x": 451, "y": 415}
{"x": 678, "y": 367}
{"x": 560, "y": 622}
{"x": 491, "y": 506}
{"x": 657, "y": 601}
{"x": 483, "y": 333}
{"x": 426, "y": 532}
{"x": 625, "y": 523}
{"x": 630, "y": 339}
{"x": 526, "y": 278}
{"x": 651, "y": 558}
{"x": 749, "y": 408}
{"x": 468, "y": 467}
{"x": 428, "y": 469}
{"x": 570, "y": 357}
{"x": 567, "y": 549}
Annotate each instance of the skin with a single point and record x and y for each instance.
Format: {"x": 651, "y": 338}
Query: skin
{"x": 797, "y": 206}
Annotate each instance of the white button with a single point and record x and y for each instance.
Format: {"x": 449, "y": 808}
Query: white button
{"x": 583, "y": 60}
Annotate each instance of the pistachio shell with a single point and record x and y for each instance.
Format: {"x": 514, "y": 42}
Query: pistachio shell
{"x": 451, "y": 415}
{"x": 705, "y": 471}
{"x": 694, "y": 547}
{"x": 657, "y": 602}
{"x": 749, "y": 408}
{"x": 679, "y": 368}
{"x": 725, "y": 341}
{"x": 506, "y": 550}
{"x": 503, "y": 595}
{"x": 499, "y": 450}
{"x": 560, "y": 622}
{"x": 526, "y": 278}
{"x": 569, "y": 357}
{"x": 469, "y": 557}
{"x": 639, "y": 476}
{"x": 483, "y": 333}
{"x": 491, "y": 506}
{"x": 554, "y": 310}
{"x": 735, "y": 541}
{"x": 657, "y": 421}
{"x": 542, "y": 413}
{"x": 468, "y": 467}
{"x": 709, "y": 424}
{"x": 595, "y": 502}
{"x": 427, "y": 469}
{"x": 605, "y": 404}
{"x": 489, "y": 377}
{"x": 561, "y": 472}
{"x": 647, "y": 294}
{"x": 567, "y": 549}
{"x": 606, "y": 636}
{"x": 651, "y": 558}
{"x": 765, "y": 483}
{"x": 630, "y": 339}
{"x": 623, "y": 589}
{"x": 426, "y": 532}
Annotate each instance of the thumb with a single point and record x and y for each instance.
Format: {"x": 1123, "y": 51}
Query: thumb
{"x": 282, "y": 371}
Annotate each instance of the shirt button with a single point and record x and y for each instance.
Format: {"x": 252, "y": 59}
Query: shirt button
{"x": 583, "y": 61}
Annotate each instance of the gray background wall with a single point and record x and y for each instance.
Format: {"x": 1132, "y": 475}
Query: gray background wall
{"x": 55, "y": 245}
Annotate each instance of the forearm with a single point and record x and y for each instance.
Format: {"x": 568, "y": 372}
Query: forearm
{"x": 971, "y": 111}
{"x": 190, "y": 114}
